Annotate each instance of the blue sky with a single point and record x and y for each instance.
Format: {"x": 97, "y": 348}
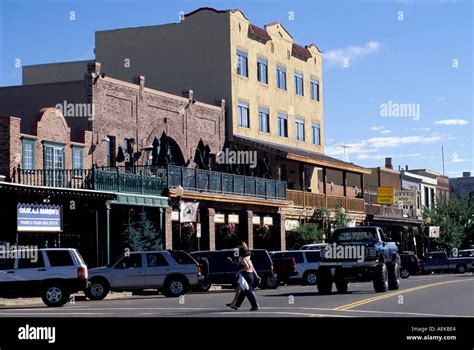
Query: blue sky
{"x": 413, "y": 54}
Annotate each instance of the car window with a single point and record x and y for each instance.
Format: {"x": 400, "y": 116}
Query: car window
{"x": 7, "y": 263}
{"x": 297, "y": 256}
{"x": 259, "y": 257}
{"x": 182, "y": 258}
{"x": 156, "y": 260}
{"x": 131, "y": 261}
{"x": 313, "y": 257}
{"x": 31, "y": 263}
{"x": 59, "y": 258}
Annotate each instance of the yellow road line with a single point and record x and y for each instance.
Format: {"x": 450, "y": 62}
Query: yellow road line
{"x": 389, "y": 295}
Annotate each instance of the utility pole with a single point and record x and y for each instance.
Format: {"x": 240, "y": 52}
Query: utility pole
{"x": 442, "y": 156}
{"x": 344, "y": 152}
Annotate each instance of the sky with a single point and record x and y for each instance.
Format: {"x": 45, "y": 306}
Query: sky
{"x": 397, "y": 75}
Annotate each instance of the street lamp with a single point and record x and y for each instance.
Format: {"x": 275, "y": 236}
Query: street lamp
{"x": 179, "y": 195}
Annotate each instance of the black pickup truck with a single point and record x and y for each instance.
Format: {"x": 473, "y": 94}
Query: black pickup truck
{"x": 362, "y": 254}
{"x": 220, "y": 267}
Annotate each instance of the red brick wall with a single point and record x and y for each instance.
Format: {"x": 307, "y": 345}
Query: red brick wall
{"x": 10, "y": 145}
{"x": 390, "y": 179}
{"x": 125, "y": 110}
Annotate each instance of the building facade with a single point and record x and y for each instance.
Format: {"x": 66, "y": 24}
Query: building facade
{"x": 462, "y": 187}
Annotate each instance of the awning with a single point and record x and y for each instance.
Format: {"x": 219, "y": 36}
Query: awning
{"x": 141, "y": 200}
{"x": 396, "y": 219}
{"x": 301, "y": 155}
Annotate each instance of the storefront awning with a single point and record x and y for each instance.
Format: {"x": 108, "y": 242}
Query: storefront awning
{"x": 141, "y": 200}
{"x": 301, "y": 155}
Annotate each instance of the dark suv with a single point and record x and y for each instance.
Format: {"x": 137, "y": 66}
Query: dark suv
{"x": 220, "y": 267}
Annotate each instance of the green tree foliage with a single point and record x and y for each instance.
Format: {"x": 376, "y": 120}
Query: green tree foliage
{"x": 304, "y": 234}
{"x": 455, "y": 218}
{"x": 141, "y": 234}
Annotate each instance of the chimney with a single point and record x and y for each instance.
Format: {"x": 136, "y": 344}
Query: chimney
{"x": 466, "y": 174}
{"x": 388, "y": 163}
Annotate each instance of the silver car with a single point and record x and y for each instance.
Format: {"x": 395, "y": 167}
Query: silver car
{"x": 170, "y": 272}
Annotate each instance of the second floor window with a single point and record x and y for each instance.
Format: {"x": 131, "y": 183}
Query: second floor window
{"x": 243, "y": 115}
{"x": 299, "y": 90}
{"x": 281, "y": 77}
{"x": 262, "y": 70}
{"x": 242, "y": 63}
{"x": 282, "y": 125}
{"x": 77, "y": 158}
{"x": 264, "y": 117}
{"x": 299, "y": 129}
{"x": 28, "y": 152}
{"x": 316, "y": 134}
{"x": 315, "y": 89}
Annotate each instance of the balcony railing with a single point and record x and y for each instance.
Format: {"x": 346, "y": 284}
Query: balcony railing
{"x": 153, "y": 180}
{"x": 302, "y": 199}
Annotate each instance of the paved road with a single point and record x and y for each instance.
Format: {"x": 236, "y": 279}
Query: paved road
{"x": 419, "y": 296}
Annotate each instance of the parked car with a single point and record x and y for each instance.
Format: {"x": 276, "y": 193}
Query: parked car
{"x": 439, "y": 261}
{"x": 314, "y": 246}
{"x": 465, "y": 253}
{"x": 409, "y": 264}
{"x": 170, "y": 272}
{"x": 51, "y": 273}
{"x": 220, "y": 267}
{"x": 307, "y": 264}
{"x": 379, "y": 262}
{"x": 284, "y": 267}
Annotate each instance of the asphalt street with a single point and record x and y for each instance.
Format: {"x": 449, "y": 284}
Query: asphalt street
{"x": 449, "y": 295}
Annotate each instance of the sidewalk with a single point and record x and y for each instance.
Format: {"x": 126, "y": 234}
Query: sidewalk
{"x": 6, "y": 303}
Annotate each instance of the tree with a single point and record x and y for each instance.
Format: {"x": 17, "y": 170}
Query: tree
{"x": 142, "y": 234}
{"x": 305, "y": 234}
{"x": 328, "y": 220}
{"x": 455, "y": 218}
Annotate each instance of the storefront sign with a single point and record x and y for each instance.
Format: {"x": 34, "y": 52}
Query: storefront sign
{"x": 175, "y": 215}
{"x": 405, "y": 198}
{"x": 385, "y": 195}
{"x": 268, "y": 220}
{"x": 256, "y": 220}
{"x": 188, "y": 211}
{"x": 39, "y": 218}
{"x": 291, "y": 225}
{"x": 233, "y": 219}
{"x": 434, "y": 232}
{"x": 219, "y": 219}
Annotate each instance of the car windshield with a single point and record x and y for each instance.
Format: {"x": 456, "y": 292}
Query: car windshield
{"x": 355, "y": 235}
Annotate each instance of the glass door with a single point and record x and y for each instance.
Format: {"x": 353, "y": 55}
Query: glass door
{"x": 54, "y": 166}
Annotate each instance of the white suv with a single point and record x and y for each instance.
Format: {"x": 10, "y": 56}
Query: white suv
{"x": 307, "y": 264}
{"x": 50, "y": 273}
{"x": 171, "y": 272}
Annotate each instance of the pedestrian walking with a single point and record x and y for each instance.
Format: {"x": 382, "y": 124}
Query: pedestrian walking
{"x": 240, "y": 245}
{"x": 250, "y": 276}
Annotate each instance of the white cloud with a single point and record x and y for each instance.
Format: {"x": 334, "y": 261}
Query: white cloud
{"x": 337, "y": 57}
{"x": 455, "y": 158}
{"x": 377, "y": 128}
{"x": 451, "y": 122}
{"x": 420, "y": 129}
{"x": 386, "y": 132}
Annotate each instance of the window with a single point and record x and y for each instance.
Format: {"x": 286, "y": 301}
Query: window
{"x": 299, "y": 129}
{"x": 282, "y": 125}
{"x": 156, "y": 260}
{"x": 131, "y": 261}
{"x": 29, "y": 263}
{"x": 315, "y": 89}
{"x": 77, "y": 160}
{"x": 427, "y": 197}
{"x": 60, "y": 258}
{"x": 264, "y": 118}
{"x": 299, "y": 90}
{"x": 281, "y": 77}
{"x": 54, "y": 162}
{"x": 262, "y": 70}
{"x": 316, "y": 134}
{"x": 183, "y": 258}
{"x": 313, "y": 257}
{"x": 243, "y": 114}
{"x": 28, "y": 154}
{"x": 242, "y": 63}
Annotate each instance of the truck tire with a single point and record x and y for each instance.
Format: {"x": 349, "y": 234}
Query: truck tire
{"x": 341, "y": 283}
{"x": 270, "y": 282}
{"x": 393, "y": 276}
{"x": 380, "y": 278}
{"x": 98, "y": 289}
{"x": 54, "y": 294}
{"x": 461, "y": 268}
{"x": 324, "y": 281}
{"x": 310, "y": 277}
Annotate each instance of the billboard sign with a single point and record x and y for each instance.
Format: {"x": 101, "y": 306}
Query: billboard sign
{"x": 39, "y": 218}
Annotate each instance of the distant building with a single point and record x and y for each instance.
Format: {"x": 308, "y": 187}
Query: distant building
{"x": 462, "y": 187}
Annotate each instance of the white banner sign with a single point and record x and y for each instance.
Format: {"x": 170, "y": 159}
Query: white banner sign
{"x": 405, "y": 198}
{"x": 434, "y": 232}
{"x": 219, "y": 219}
{"x": 233, "y": 219}
{"x": 268, "y": 220}
{"x": 188, "y": 211}
{"x": 175, "y": 215}
{"x": 256, "y": 220}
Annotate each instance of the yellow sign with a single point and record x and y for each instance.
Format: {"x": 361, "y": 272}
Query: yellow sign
{"x": 385, "y": 195}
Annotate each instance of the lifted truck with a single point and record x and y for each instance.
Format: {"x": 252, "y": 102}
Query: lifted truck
{"x": 359, "y": 254}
